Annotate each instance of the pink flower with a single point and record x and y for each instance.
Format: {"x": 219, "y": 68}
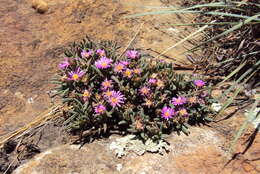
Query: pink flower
{"x": 106, "y": 84}
{"x": 116, "y": 99}
{"x": 167, "y": 112}
{"x": 86, "y": 54}
{"x": 152, "y": 81}
{"x": 124, "y": 62}
{"x": 132, "y": 54}
{"x": 119, "y": 67}
{"x": 128, "y": 73}
{"x": 199, "y": 83}
{"x": 137, "y": 71}
{"x": 101, "y": 52}
{"x": 86, "y": 95}
{"x": 107, "y": 94}
{"x": 144, "y": 91}
{"x": 76, "y": 75}
{"x": 183, "y": 112}
{"x": 103, "y": 63}
{"x": 64, "y": 64}
{"x": 179, "y": 101}
{"x": 100, "y": 109}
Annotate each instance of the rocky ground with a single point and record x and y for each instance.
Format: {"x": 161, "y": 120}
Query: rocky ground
{"x": 31, "y": 46}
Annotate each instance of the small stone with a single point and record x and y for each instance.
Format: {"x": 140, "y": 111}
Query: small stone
{"x": 40, "y": 6}
{"x": 247, "y": 167}
{"x": 119, "y": 167}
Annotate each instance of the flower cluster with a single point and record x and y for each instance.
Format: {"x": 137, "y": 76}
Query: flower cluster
{"x": 104, "y": 88}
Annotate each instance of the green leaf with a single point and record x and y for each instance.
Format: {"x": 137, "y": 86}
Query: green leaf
{"x": 122, "y": 122}
{"x": 97, "y": 70}
{"x": 185, "y": 130}
{"x": 115, "y": 79}
{"x": 208, "y": 119}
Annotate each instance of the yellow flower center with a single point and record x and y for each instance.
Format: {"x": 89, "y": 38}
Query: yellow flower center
{"x": 107, "y": 84}
{"x": 75, "y": 76}
{"x": 128, "y": 73}
{"x": 192, "y": 99}
{"x": 109, "y": 93}
{"x": 86, "y": 94}
{"x": 114, "y": 100}
{"x": 145, "y": 91}
{"x": 148, "y": 102}
{"x": 167, "y": 114}
{"x": 119, "y": 67}
{"x": 178, "y": 100}
{"x": 137, "y": 71}
{"x": 86, "y": 54}
{"x": 100, "y": 110}
{"x": 183, "y": 112}
{"x": 103, "y": 64}
{"x": 160, "y": 83}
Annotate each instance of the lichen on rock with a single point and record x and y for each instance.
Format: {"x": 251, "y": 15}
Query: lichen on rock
{"x": 130, "y": 143}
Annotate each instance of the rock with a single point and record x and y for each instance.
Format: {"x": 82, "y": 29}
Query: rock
{"x": 198, "y": 153}
{"x": 40, "y": 6}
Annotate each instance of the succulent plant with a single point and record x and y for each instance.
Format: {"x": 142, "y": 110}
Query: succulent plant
{"x": 132, "y": 93}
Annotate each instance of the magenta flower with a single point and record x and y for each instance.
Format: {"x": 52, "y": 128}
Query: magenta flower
{"x": 152, "y": 81}
{"x": 106, "y": 84}
{"x": 124, "y": 62}
{"x": 86, "y": 95}
{"x": 132, "y": 54}
{"x": 167, "y": 112}
{"x": 119, "y": 67}
{"x": 199, "y": 83}
{"x": 183, "y": 112}
{"x": 64, "y": 64}
{"x": 179, "y": 101}
{"x": 86, "y": 54}
{"x": 128, "y": 73}
{"x": 100, "y": 109}
{"x": 116, "y": 99}
{"x": 101, "y": 52}
{"x": 76, "y": 75}
{"x": 103, "y": 63}
{"x": 144, "y": 91}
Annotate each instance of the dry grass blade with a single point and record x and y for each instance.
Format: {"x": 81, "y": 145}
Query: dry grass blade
{"x": 236, "y": 27}
{"x": 192, "y": 35}
{"x": 52, "y": 113}
{"x": 242, "y": 129}
{"x": 251, "y": 71}
{"x": 230, "y": 100}
{"x": 216, "y": 23}
{"x": 131, "y": 41}
{"x": 233, "y": 72}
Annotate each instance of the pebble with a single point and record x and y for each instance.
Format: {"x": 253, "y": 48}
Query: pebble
{"x": 40, "y": 6}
